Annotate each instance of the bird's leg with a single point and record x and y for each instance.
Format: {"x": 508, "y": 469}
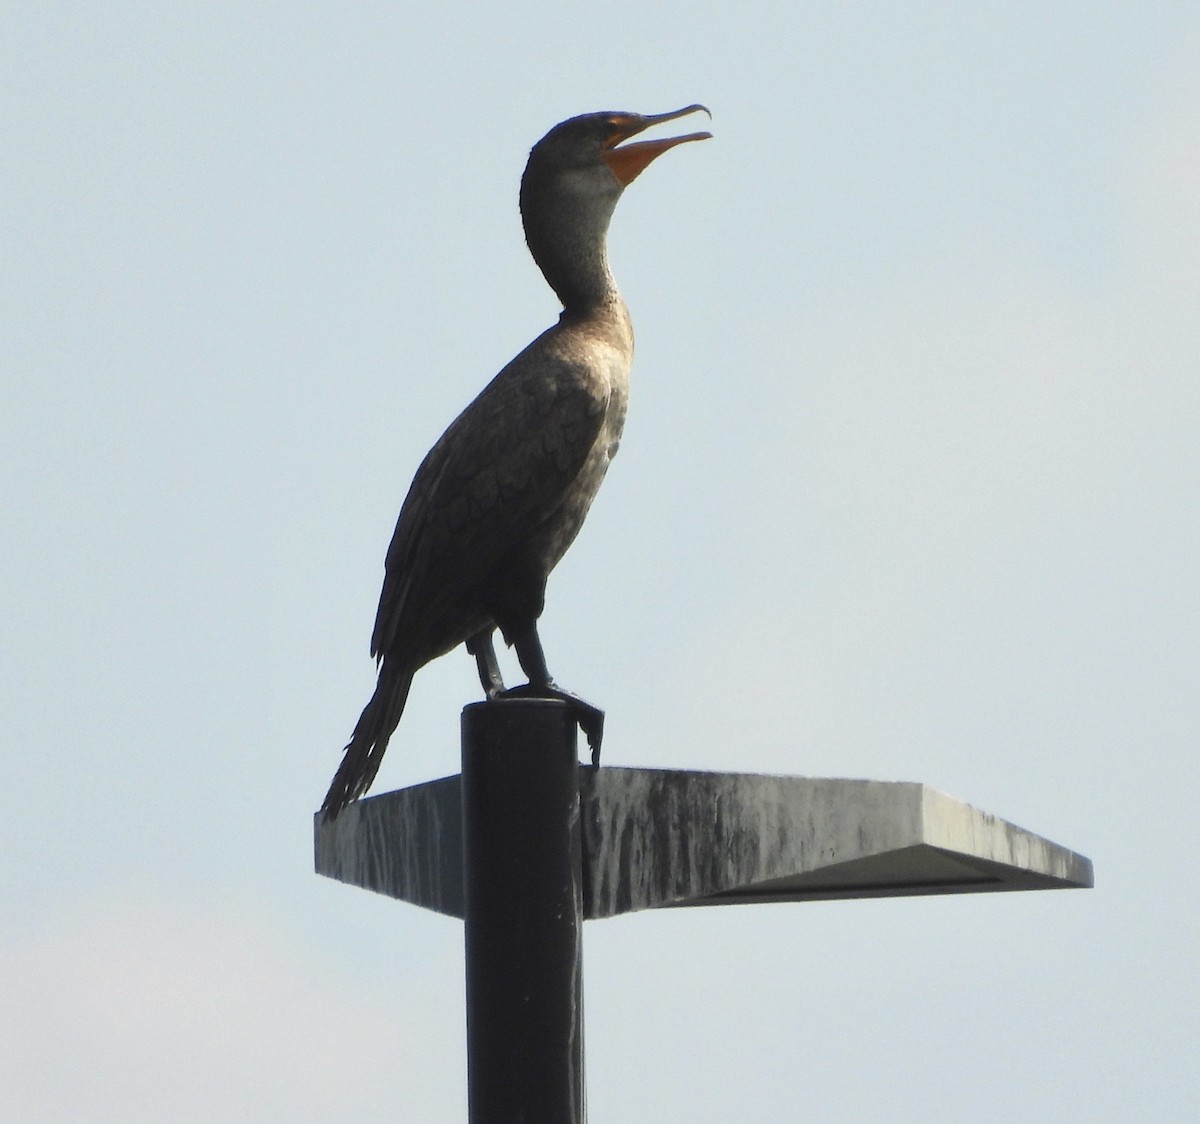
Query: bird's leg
{"x": 528, "y": 644}
{"x": 481, "y": 647}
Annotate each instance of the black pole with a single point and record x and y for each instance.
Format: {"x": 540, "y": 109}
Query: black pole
{"x": 524, "y": 912}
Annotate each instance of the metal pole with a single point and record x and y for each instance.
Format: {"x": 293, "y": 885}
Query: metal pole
{"x": 524, "y": 912}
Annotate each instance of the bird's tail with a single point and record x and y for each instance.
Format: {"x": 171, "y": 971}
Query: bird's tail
{"x": 369, "y": 740}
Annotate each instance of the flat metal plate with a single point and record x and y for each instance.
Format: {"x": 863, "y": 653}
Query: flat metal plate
{"x": 656, "y": 838}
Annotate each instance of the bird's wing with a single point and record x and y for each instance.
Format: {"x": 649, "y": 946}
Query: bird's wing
{"x": 498, "y": 472}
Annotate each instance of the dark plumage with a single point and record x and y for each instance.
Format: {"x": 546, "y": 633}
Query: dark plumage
{"x": 501, "y": 496}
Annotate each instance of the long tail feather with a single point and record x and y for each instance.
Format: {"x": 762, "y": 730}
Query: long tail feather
{"x": 369, "y": 740}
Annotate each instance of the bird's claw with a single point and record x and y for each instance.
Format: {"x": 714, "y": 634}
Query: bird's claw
{"x": 589, "y": 716}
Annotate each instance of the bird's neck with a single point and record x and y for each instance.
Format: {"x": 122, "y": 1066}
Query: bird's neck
{"x": 570, "y": 246}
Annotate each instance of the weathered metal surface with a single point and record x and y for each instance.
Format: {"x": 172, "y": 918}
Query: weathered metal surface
{"x": 658, "y": 838}
{"x": 406, "y": 844}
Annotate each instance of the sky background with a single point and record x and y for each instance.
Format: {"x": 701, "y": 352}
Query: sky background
{"x": 907, "y": 491}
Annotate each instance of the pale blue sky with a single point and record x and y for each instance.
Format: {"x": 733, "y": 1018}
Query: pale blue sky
{"x": 908, "y": 491}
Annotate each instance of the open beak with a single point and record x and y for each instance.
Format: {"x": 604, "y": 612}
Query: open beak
{"x": 628, "y": 161}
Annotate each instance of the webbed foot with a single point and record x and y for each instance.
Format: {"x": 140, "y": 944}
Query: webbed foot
{"x": 589, "y": 717}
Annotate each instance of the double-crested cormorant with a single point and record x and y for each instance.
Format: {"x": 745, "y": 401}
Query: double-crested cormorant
{"x": 501, "y": 496}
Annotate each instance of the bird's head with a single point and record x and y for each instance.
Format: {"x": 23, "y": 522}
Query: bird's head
{"x": 571, "y": 185}
{"x": 587, "y": 154}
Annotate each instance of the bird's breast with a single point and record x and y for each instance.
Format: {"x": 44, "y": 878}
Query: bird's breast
{"x": 592, "y": 368}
